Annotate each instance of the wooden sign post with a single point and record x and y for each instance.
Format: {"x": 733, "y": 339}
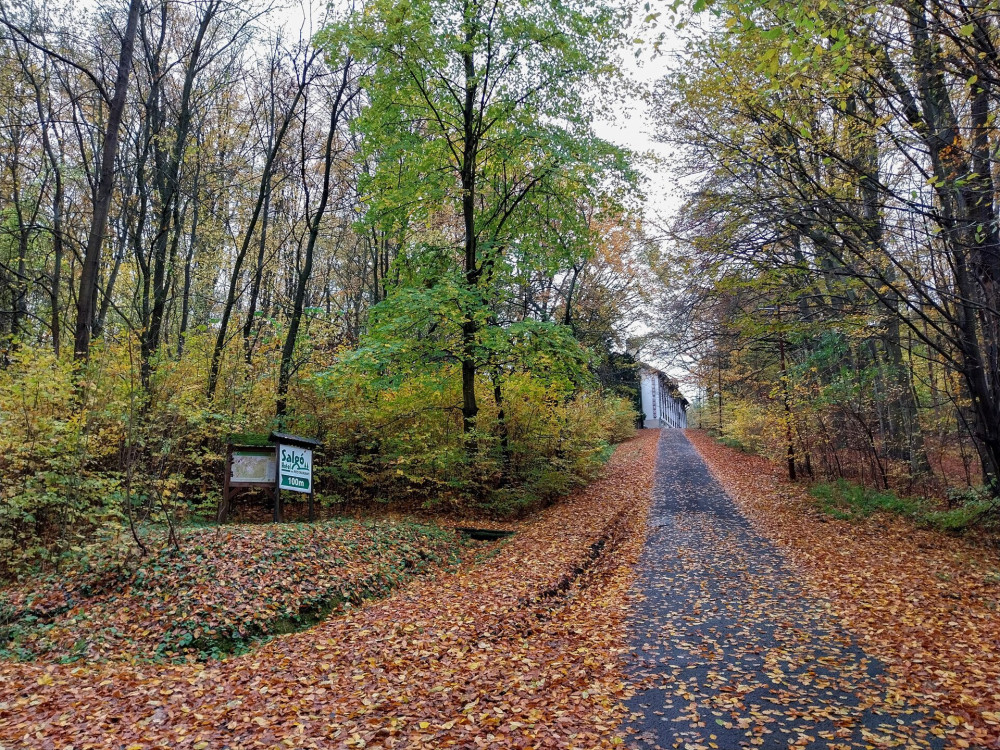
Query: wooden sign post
{"x": 285, "y": 463}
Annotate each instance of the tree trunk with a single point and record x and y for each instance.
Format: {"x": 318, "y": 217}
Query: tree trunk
{"x": 470, "y": 327}
{"x": 188, "y": 260}
{"x": 87, "y": 295}
{"x": 265, "y": 181}
{"x": 288, "y": 349}
{"x": 168, "y": 169}
{"x": 258, "y": 275}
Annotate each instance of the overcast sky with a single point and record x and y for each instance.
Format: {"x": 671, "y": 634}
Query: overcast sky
{"x": 632, "y": 126}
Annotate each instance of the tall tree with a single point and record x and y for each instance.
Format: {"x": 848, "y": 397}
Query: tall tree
{"x": 481, "y": 111}
{"x": 305, "y": 75}
{"x": 844, "y": 154}
{"x": 345, "y": 90}
{"x": 87, "y": 292}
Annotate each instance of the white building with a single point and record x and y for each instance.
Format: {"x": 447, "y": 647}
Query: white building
{"x": 662, "y": 402}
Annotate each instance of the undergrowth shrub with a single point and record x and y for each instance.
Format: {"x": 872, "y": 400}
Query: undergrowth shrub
{"x": 89, "y": 457}
{"x": 752, "y": 428}
{"x": 55, "y": 496}
{"x": 86, "y": 454}
{"x": 617, "y": 418}
{"x": 850, "y": 501}
{"x": 404, "y": 440}
{"x": 967, "y": 508}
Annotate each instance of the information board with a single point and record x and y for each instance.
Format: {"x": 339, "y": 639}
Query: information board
{"x": 252, "y": 467}
{"x": 294, "y": 468}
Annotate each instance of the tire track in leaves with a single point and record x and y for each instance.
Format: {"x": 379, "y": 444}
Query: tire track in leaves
{"x": 731, "y": 651}
{"x": 519, "y": 651}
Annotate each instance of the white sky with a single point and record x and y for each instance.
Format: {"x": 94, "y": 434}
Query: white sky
{"x": 631, "y": 125}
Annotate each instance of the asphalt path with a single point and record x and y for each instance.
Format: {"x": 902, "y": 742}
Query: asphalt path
{"x": 728, "y": 648}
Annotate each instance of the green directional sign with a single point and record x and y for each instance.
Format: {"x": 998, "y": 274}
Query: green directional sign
{"x": 294, "y": 468}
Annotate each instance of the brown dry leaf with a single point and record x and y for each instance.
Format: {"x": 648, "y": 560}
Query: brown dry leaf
{"x": 918, "y": 600}
{"x": 518, "y": 651}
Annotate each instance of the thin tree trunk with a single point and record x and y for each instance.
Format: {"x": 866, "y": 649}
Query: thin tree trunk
{"x": 258, "y": 275}
{"x": 265, "y": 181}
{"x": 288, "y": 349}
{"x": 45, "y": 118}
{"x": 470, "y": 327}
{"x": 168, "y": 168}
{"x": 87, "y": 295}
{"x": 188, "y": 260}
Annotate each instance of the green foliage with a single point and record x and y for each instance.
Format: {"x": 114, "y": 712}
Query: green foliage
{"x": 968, "y": 508}
{"x": 486, "y": 171}
{"x": 131, "y": 440}
{"x": 219, "y": 594}
{"x": 980, "y": 513}
{"x": 618, "y": 418}
{"x": 82, "y": 450}
{"x": 735, "y": 444}
{"x": 750, "y": 428}
{"x": 54, "y": 501}
{"x": 398, "y": 437}
{"x": 848, "y": 501}
{"x": 82, "y": 462}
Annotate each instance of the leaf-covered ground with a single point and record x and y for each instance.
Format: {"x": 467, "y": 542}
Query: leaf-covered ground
{"x": 516, "y": 651}
{"x": 923, "y": 603}
{"x": 224, "y": 588}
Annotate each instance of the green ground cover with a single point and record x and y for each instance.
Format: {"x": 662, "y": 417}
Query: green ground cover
{"x": 221, "y": 592}
{"x": 849, "y": 502}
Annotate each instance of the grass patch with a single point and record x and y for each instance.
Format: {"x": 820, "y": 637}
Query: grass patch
{"x": 962, "y": 518}
{"x": 851, "y": 502}
{"x": 848, "y": 501}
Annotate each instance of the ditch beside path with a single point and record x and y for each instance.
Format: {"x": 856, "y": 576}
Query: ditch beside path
{"x": 730, "y": 651}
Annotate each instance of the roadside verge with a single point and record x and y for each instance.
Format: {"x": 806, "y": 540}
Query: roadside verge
{"x": 520, "y": 650}
{"x": 924, "y": 603}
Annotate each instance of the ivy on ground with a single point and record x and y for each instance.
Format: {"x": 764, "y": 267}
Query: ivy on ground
{"x": 520, "y": 650}
{"x": 221, "y": 590}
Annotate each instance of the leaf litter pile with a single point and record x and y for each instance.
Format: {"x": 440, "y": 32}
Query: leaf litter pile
{"x": 519, "y": 650}
{"x": 923, "y": 603}
{"x": 221, "y": 590}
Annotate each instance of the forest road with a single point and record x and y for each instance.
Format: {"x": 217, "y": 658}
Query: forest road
{"x": 728, "y": 648}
